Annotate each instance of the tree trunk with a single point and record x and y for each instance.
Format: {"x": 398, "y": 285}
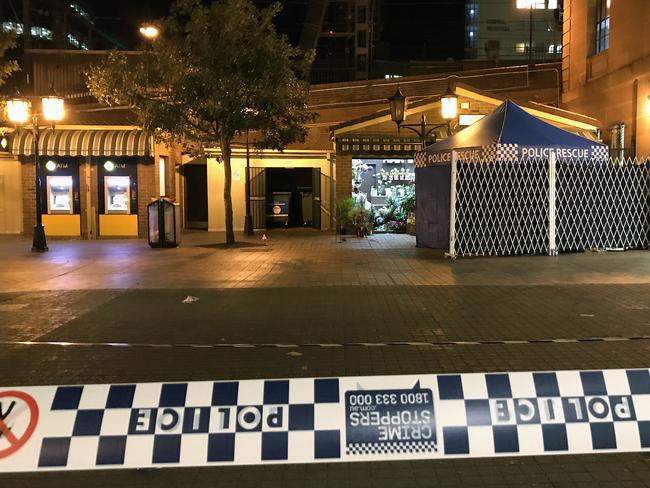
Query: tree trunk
{"x": 227, "y": 189}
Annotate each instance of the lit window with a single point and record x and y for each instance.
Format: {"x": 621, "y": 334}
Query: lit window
{"x": 42, "y": 32}
{"x": 82, "y": 13}
{"x": 468, "y": 119}
{"x": 602, "y": 26}
{"x": 520, "y": 47}
{"x": 537, "y": 4}
{"x": 15, "y": 27}
{"x": 161, "y": 175}
{"x": 77, "y": 43}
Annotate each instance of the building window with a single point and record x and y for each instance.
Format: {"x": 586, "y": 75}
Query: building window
{"x": 617, "y": 145}
{"x": 520, "y": 47}
{"x": 602, "y": 25}
{"x": 162, "y": 163}
{"x": 77, "y": 43}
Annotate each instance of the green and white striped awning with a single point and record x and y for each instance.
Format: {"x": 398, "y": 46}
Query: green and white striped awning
{"x": 68, "y": 142}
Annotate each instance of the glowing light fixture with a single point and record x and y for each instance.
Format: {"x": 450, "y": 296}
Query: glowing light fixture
{"x": 50, "y": 165}
{"x": 53, "y": 107}
{"x": 109, "y": 165}
{"x": 449, "y": 104}
{"x": 18, "y": 110}
{"x": 150, "y": 32}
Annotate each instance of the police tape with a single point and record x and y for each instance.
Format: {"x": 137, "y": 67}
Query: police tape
{"x": 307, "y": 420}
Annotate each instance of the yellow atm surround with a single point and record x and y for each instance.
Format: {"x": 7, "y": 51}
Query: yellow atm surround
{"x": 118, "y": 225}
{"x": 62, "y": 225}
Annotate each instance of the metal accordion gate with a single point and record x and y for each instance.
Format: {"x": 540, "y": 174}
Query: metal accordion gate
{"x": 544, "y": 206}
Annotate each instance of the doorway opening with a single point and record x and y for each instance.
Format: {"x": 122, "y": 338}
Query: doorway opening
{"x": 196, "y": 196}
{"x": 291, "y": 196}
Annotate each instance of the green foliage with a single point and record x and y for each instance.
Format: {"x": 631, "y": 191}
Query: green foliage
{"x": 407, "y": 202}
{"x": 7, "y": 66}
{"x": 362, "y": 219}
{"x": 343, "y": 207}
{"x": 393, "y": 216}
{"x": 216, "y": 71}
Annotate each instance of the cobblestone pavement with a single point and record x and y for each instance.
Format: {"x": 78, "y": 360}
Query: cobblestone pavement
{"x": 306, "y": 288}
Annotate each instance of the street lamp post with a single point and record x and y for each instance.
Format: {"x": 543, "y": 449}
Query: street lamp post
{"x": 248, "y": 224}
{"x": 530, "y": 5}
{"x": 52, "y": 111}
{"x": 449, "y": 109}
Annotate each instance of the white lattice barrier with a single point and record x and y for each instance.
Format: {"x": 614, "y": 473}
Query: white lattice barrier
{"x": 502, "y": 207}
{"x": 602, "y": 205}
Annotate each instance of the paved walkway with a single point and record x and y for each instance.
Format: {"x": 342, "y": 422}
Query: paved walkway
{"x": 416, "y": 312}
{"x": 293, "y": 258}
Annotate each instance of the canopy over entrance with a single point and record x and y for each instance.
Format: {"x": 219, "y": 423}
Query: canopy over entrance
{"x": 66, "y": 142}
{"x": 509, "y": 133}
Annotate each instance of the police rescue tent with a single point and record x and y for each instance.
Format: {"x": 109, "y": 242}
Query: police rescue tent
{"x": 509, "y": 134}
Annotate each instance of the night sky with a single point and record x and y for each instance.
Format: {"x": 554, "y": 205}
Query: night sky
{"x": 410, "y": 29}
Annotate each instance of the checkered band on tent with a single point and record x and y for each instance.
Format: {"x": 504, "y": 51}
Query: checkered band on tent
{"x": 599, "y": 153}
{"x": 502, "y": 208}
{"x": 602, "y": 205}
{"x": 402, "y": 447}
{"x": 490, "y": 152}
{"x": 507, "y": 152}
{"x": 420, "y": 159}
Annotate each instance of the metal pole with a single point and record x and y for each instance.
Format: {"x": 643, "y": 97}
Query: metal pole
{"x": 452, "y": 206}
{"x": 552, "y": 176}
{"x": 530, "y": 39}
{"x": 39, "y": 244}
{"x": 248, "y": 224}
{"x": 423, "y": 131}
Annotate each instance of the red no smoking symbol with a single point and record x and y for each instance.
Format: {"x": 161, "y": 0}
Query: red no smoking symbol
{"x": 16, "y": 439}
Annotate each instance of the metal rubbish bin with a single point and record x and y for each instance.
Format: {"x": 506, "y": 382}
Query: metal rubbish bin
{"x": 277, "y": 210}
{"x": 164, "y": 223}
{"x": 307, "y": 208}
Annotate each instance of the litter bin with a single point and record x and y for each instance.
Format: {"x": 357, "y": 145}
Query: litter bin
{"x": 307, "y": 208}
{"x": 164, "y": 223}
{"x": 277, "y": 210}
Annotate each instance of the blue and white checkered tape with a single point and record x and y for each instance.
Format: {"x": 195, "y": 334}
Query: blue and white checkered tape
{"x": 306, "y": 420}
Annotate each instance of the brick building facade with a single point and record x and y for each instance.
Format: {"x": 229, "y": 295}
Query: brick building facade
{"x": 606, "y": 69}
{"x": 352, "y": 123}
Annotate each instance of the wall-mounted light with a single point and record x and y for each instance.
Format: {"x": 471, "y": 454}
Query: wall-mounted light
{"x": 50, "y": 165}
{"x": 647, "y": 106}
{"x": 109, "y": 165}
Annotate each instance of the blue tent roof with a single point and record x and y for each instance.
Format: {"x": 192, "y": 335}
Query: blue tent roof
{"x": 510, "y": 124}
